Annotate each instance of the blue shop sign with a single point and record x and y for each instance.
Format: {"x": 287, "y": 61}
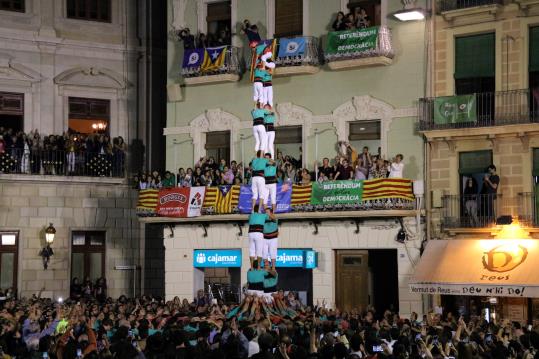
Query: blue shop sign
{"x": 217, "y": 258}
{"x": 296, "y": 258}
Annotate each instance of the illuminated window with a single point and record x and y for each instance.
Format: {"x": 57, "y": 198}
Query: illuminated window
{"x": 88, "y": 115}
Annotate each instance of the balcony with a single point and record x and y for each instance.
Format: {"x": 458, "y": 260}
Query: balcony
{"x": 528, "y": 209}
{"x": 195, "y": 72}
{"x": 506, "y": 111}
{"x": 472, "y": 211}
{"x": 359, "y": 48}
{"x": 461, "y": 12}
{"x": 61, "y": 166}
{"x": 297, "y": 56}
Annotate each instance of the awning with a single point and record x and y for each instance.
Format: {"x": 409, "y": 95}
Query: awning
{"x": 484, "y": 267}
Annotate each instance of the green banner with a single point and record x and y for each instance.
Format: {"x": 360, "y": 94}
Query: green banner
{"x": 338, "y": 192}
{"x": 359, "y": 40}
{"x": 455, "y": 109}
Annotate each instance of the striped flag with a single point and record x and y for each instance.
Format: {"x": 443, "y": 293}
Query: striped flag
{"x": 301, "y": 195}
{"x": 210, "y": 200}
{"x": 214, "y": 58}
{"x": 147, "y": 201}
{"x": 257, "y": 52}
{"x": 388, "y": 188}
{"x": 228, "y": 197}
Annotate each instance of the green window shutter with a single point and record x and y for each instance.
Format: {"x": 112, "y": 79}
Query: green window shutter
{"x": 474, "y": 162}
{"x": 535, "y": 170}
{"x": 475, "y": 56}
{"x": 534, "y": 49}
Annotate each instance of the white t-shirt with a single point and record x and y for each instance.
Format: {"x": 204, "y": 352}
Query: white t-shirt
{"x": 253, "y": 348}
{"x": 396, "y": 170}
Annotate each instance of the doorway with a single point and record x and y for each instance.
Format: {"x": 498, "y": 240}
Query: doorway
{"x": 352, "y": 279}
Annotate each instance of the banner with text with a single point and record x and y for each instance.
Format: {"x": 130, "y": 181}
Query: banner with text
{"x": 180, "y": 202}
{"x": 350, "y": 41}
{"x": 338, "y": 192}
{"x": 284, "y": 196}
{"x": 455, "y": 109}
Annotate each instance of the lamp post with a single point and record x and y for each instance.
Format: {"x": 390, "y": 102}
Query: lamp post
{"x": 47, "y": 251}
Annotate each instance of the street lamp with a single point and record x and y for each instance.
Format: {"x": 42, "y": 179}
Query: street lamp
{"x": 47, "y": 251}
{"x": 410, "y": 12}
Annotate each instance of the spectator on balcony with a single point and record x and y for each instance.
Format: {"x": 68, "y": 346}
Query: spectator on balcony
{"x": 339, "y": 24}
{"x": 228, "y": 175}
{"x": 350, "y": 21}
{"x": 305, "y": 177}
{"x": 325, "y": 169}
{"x": 169, "y": 181}
{"x": 143, "y": 183}
{"x": 180, "y": 176}
{"x": 470, "y": 200}
{"x": 379, "y": 170}
{"x": 345, "y": 171}
{"x": 25, "y": 160}
{"x": 362, "y": 19}
{"x": 223, "y": 38}
{"x": 118, "y": 156}
{"x": 251, "y": 31}
{"x": 187, "y": 38}
{"x": 360, "y": 169}
{"x": 396, "y": 167}
{"x": 202, "y": 41}
{"x": 491, "y": 182}
{"x": 75, "y": 289}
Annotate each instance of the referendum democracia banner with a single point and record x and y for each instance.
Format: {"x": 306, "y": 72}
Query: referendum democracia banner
{"x": 284, "y": 196}
{"x": 349, "y": 41}
{"x": 455, "y": 109}
{"x": 337, "y": 192}
{"x": 180, "y": 202}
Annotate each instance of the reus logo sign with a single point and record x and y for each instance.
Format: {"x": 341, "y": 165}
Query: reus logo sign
{"x": 504, "y": 258}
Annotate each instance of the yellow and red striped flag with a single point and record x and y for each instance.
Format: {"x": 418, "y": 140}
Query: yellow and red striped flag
{"x": 388, "y": 188}
{"x": 301, "y": 194}
{"x": 147, "y": 201}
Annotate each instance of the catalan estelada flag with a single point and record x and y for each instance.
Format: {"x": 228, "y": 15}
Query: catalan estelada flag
{"x": 301, "y": 194}
{"x": 147, "y": 201}
{"x": 227, "y": 198}
{"x": 387, "y": 188}
{"x": 214, "y": 58}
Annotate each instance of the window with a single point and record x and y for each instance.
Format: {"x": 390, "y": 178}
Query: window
{"x": 474, "y": 162}
{"x": 12, "y": 5}
{"x": 365, "y": 134}
{"x": 288, "y": 140}
{"x": 9, "y": 244}
{"x": 534, "y": 72}
{"x": 88, "y": 115}
{"x": 88, "y": 255}
{"x": 12, "y": 110}
{"x": 372, "y": 10}
{"x": 218, "y": 145}
{"x": 91, "y": 10}
{"x": 474, "y": 64}
{"x": 219, "y": 23}
{"x": 288, "y": 18}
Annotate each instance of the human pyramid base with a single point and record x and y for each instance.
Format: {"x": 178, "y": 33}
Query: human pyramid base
{"x": 262, "y": 276}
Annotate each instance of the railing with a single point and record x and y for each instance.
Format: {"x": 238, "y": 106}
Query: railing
{"x": 449, "y": 5}
{"x": 230, "y": 65}
{"x": 472, "y": 211}
{"x": 310, "y": 56}
{"x": 479, "y": 110}
{"x": 528, "y": 209}
{"x": 63, "y": 163}
{"x": 382, "y": 47}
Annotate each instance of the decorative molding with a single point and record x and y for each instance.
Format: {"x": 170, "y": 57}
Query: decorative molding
{"x": 495, "y": 142}
{"x": 12, "y": 71}
{"x": 524, "y": 141}
{"x": 451, "y": 144}
{"x": 91, "y": 76}
{"x": 178, "y": 14}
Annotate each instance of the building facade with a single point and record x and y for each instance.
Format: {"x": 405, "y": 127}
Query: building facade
{"x": 317, "y": 105}
{"x": 485, "y": 60}
{"x": 70, "y": 67}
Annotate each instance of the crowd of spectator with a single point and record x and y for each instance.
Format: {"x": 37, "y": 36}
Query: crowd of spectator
{"x": 149, "y": 327}
{"x": 348, "y": 165}
{"x": 356, "y": 19}
{"x": 201, "y": 41}
{"x": 66, "y": 154}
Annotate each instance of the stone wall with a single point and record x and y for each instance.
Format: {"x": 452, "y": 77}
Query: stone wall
{"x": 29, "y": 207}
{"x": 179, "y": 277}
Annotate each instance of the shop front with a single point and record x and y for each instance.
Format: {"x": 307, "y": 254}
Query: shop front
{"x": 218, "y": 273}
{"x": 488, "y": 277}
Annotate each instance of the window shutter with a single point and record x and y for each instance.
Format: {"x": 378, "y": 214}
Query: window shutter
{"x": 218, "y": 11}
{"x": 288, "y": 18}
{"x": 534, "y": 49}
{"x": 474, "y": 162}
{"x": 288, "y": 134}
{"x": 475, "y": 56}
{"x": 535, "y": 170}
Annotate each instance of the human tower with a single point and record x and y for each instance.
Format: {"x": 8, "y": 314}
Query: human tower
{"x": 263, "y": 226}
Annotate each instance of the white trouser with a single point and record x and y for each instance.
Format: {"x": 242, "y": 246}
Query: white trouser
{"x": 270, "y": 138}
{"x": 71, "y": 162}
{"x": 255, "y": 293}
{"x": 256, "y": 244}
{"x": 268, "y": 95}
{"x": 258, "y": 91}
{"x": 258, "y": 187}
{"x": 25, "y": 163}
{"x": 259, "y": 132}
{"x": 270, "y": 248}
{"x": 271, "y": 193}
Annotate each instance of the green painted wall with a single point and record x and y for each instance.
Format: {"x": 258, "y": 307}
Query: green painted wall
{"x": 399, "y": 84}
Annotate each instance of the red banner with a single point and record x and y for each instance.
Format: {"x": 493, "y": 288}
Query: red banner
{"x": 173, "y": 202}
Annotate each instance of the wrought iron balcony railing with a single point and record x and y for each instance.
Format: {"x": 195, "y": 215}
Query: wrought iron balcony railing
{"x": 472, "y": 211}
{"x": 310, "y": 56}
{"x": 528, "y": 209}
{"x": 195, "y": 66}
{"x": 479, "y": 110}
{"x": 450, "y": 5}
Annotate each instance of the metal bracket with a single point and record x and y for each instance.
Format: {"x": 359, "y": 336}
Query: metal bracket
{"x": 240, "y": 228}
{"x": 205, "y": 228}
{"x": 171, "y": 228}
{"x": 315, "y": 223}
{"x": 356, "y": 222}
